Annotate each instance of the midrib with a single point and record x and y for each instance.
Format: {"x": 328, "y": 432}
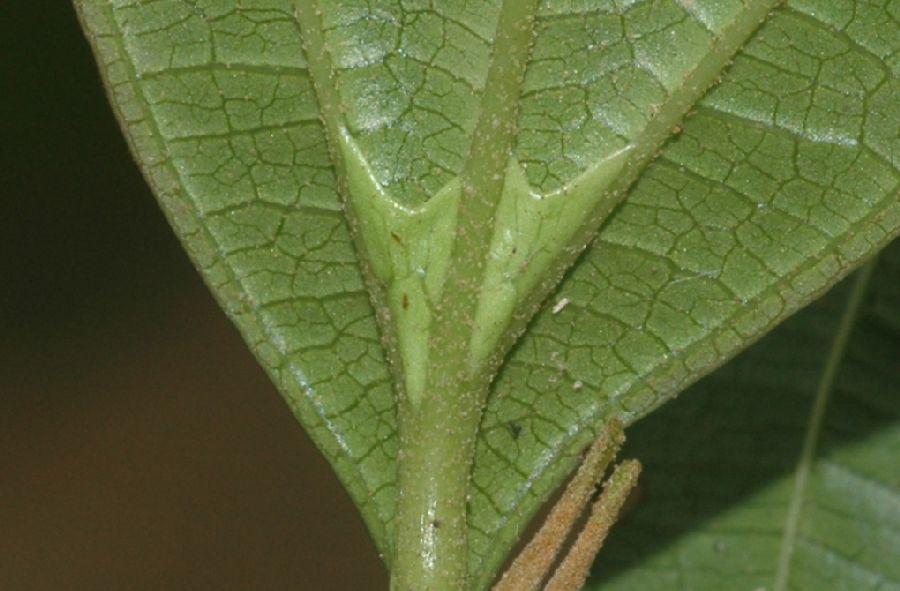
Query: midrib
{"x": 484, "y": 171}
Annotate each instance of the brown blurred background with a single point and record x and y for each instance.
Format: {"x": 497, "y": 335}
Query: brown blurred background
{"x": 140, "y": 445}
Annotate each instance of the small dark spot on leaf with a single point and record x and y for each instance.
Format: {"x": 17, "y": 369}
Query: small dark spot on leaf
{"x": 436, "y": 523}
{"x": 397, "y": 238}
{"x": 516, "y": 429}
{"x": 405, "y": 301}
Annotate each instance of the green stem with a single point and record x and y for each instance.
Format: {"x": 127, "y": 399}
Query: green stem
{"x": 438, "y": 427}
{"x": 439, "y": 424}
{"x": 437, "y": 446}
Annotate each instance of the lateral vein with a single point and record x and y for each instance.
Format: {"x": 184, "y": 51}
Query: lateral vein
{"x": 318, "y": 59}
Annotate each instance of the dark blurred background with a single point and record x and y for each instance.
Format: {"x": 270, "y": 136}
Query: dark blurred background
{"x": 141, "y": 447}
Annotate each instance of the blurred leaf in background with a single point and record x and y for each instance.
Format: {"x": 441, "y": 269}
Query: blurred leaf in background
{"x": 782, "y": 469}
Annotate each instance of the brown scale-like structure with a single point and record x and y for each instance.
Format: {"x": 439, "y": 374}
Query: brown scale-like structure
{"x": 534, "y": 563}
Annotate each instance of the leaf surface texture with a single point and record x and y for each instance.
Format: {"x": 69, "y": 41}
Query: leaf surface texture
{"x": 780, "y": 180}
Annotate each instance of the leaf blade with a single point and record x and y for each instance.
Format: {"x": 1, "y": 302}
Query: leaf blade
{"x": 301, "y": 336}
{"x": 653, "y": 259}
{"x": 221, "y": 114}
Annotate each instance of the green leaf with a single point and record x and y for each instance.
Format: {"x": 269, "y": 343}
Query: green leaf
{"x": 249, "y": 120}
{"x": 758, "y": 205}
{"x": 782, "y": 469}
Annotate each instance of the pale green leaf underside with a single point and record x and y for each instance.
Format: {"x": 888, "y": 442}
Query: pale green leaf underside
{"x": 784, "y": 177}
{"x": 721, "y": 508}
